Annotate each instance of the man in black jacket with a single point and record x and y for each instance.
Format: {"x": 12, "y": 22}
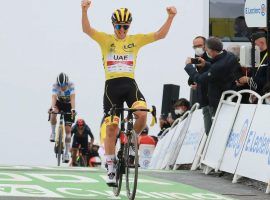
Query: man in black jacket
{"x": 259, "y": 73}
{"x": 220, "y": 75}
{"x": 201, "y": 89}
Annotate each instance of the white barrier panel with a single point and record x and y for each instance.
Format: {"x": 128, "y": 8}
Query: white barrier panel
{"x": 146, "y": 152}
{"x": 160, "y": 150}
{"x": 192, "y": 139}
{"x": 255, "y": 159}
{"x": 237, "y": 138}
{"x": 219, "y": 133}
{"x": 156, "y": 153}
{"x": 176, "y": 142}
{"x": 165, "y": 155}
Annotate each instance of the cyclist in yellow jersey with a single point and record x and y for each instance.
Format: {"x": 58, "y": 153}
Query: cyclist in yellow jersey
{"x": 119, "y": 52}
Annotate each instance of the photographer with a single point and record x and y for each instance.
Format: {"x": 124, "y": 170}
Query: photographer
{"x": 220, "y": 74}
{"x": 201, "y": 88}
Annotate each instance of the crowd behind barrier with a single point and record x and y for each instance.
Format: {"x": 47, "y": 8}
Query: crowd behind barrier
{"x": 238, "y": 141}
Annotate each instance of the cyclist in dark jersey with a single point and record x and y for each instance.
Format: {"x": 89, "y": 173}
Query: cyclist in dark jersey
{"x": 80, "y": 132}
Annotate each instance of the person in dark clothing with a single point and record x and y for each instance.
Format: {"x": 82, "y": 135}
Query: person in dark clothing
{"x": 81, "y": 131}
{"x": 241, "y": 71}
{"x": 220, "y": 74}
{"x": 201, "y": 88}
{"x": 181, "y": 106}
{"x": 259, "y": 73}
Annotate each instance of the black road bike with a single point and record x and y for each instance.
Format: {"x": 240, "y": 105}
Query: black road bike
{"x": 127, "y": 160}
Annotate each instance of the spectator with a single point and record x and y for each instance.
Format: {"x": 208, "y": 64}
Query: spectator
{"x": 144, "y": 138}
{"x": 220, "y": 75}
{"x": 241, "y": 71}
{"x": 181, "y": 106}
{"x": 201, "y": 88}
{"x": 163, "y": 124}
{"x": 259, "y": 73}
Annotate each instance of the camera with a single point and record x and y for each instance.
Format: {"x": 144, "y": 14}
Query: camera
{"x": 195, "y": 61}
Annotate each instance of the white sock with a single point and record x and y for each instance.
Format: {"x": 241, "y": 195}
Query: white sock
{"x": 67, "y": 148}
{"x": 110, "y": 162}
{"x": 53, "y": 128}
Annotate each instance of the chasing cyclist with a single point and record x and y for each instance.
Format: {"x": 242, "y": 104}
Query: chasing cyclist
{"x": 63, "y": 99}
{"x": 119, "y": 52}
{"x": 80, "y": 132}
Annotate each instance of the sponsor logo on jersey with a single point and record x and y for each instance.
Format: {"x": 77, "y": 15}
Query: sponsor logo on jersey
{"x": 129, "y": 47}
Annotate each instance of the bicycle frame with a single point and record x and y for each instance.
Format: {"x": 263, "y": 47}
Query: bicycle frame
{"x": 61, "y": 129}
{"x": 60, "y": 135}
{"x": 128, "y": 138}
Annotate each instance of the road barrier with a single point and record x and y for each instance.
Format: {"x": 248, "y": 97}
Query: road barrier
{"x": 238, "y": 141}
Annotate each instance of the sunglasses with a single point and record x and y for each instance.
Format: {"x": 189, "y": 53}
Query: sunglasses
{"x": 118, "y": 26}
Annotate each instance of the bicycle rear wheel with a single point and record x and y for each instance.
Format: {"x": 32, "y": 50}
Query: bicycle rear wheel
{"x": 59, "y": 147}
{"x": 131, "y": 164}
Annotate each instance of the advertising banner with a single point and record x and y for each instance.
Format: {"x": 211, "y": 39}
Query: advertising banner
{"x": 192, "y": 139}
{"x": 255, "y": 159}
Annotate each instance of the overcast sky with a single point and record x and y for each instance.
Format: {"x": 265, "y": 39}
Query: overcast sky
{"x": 39, "y": 39}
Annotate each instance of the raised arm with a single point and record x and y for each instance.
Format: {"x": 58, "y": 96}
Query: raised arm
{"x": 85, "y": 21}
{"x": 162, "y": 32}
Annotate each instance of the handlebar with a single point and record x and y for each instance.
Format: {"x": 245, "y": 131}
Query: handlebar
{"x": 132, "y": 110}
{"x": 58, "y": 113}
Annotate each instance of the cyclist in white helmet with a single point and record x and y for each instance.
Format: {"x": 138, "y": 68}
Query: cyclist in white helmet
{"x": 63, "y": 99}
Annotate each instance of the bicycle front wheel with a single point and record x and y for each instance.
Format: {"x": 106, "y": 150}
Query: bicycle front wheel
{"x": 119, "y": 175}
{"x": 59, "y": 147}
{"x": 82, "y": 162}
{"x": 131, "y": 164}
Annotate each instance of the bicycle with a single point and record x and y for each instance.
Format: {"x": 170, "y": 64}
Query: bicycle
{"x": 59, "y": 146}
{"x": 81, "y": 160}
{"x": 128, "y": 140}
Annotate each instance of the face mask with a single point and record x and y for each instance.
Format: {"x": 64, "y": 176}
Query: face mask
{"x": 179, "y": 111}
{"x": 209, "y": 55}
{"x": 267, "y": 101}
{"x": 199, "y": 51}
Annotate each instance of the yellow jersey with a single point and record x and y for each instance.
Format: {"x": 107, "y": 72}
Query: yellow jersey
{"x": 119, "y": 56}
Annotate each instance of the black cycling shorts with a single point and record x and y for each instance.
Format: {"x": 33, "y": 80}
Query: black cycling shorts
{"x": 65, "y": 107}
{"x": 120, "y": 90}
{"x": 81, "y": 141}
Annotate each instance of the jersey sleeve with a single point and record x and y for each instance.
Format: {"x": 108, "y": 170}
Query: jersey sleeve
{"x": 144, "y": 39}
{"x": 73, "y": 129}
{"x": 100, "y": 37}
{"x": 72, "y": 88}
{"x": 54, "y": 89}
{"x": 89, "y": 132}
